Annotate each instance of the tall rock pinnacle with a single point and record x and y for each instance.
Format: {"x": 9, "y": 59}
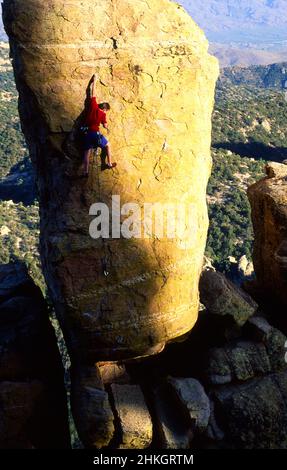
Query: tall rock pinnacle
{"x": 268, "y": 199}
{"x": 116, "y": 297}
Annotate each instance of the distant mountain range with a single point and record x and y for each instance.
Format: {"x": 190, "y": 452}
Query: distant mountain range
{"x": 229, "y": 55}
{"x": 243, "y": 32}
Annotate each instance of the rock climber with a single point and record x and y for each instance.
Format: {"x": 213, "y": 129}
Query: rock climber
{"x": 93, "y": 139}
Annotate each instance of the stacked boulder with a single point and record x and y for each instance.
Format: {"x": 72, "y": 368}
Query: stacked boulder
{"x": 268, "y": 199}
{"x": 33, "y": 407}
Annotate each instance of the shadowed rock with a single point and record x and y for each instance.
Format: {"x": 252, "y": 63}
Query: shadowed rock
{"x": 33, "y": 409}
{"x": 133, "y": 416}
{"x": 193, "y": 398}
{"x": 91, "y": 408}
{"x": 230, "y": 304}
{"x": 172, "y": 429}
{"x": 239, "y": 361}
{"x": 254, "y": 413}
{"x": 113, "y": 373}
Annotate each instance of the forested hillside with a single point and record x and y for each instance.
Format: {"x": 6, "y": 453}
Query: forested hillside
{"x": 249, "y": 127}
{"x": 273, "y": 76}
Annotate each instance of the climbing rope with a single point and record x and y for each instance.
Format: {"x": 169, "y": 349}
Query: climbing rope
{"x": 95, "y": 165}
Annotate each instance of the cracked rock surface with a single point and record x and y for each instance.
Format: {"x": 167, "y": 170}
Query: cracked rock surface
{"x": 115, "y": 297}
{"x": 268, "y": 199}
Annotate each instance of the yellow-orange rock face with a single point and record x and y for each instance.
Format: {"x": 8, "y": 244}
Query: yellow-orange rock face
{"x": 116, "y": 297}
{"x": 268, "y": 199}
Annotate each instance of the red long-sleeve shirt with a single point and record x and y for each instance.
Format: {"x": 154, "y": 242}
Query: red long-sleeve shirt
{"x": 95, "y": 116}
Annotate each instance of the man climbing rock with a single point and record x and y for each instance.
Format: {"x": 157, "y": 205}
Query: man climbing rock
{"x": 94, "y": 139}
